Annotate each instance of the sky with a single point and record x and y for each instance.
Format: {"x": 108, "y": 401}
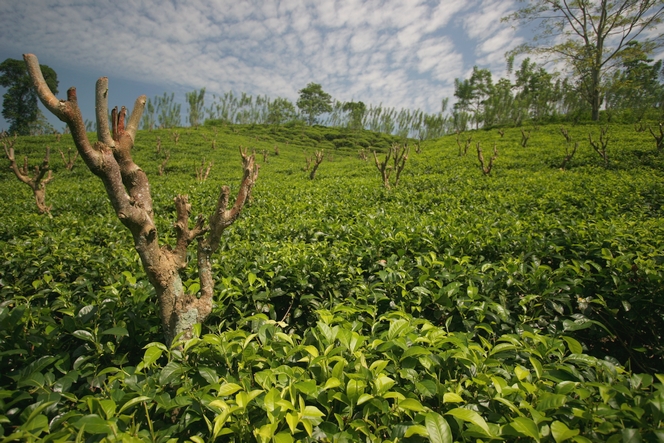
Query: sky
{"x": 398, "y": 53}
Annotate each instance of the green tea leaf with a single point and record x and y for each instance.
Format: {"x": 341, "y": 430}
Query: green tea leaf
{"x": 438, "y": 428}
{"x": 471, "y": 417}
{"x": 561, "y": 432}
{"x": 527, "y": 427}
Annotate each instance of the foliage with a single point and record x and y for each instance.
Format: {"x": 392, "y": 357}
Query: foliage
{"x": 591, "y": 37}
{"x": 168, "y": 112}
{"x": 19, "y": 105}
{"x": 196, "y": 102}
{"x": 280, "y": 110}
{"x": 637, "y": 85}
{"x": 526, "y": 305}
{"x": 313, "y": 102}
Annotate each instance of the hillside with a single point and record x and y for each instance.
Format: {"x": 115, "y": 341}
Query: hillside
{"x": 523, "y": 304}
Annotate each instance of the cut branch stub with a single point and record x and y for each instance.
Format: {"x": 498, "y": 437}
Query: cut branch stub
{"x": 569, "y": 155}
{"x": 486, "y": 169}
{"x": 41, "y": 177}
{"x": 399, "y": 156}
{"x": 659, "y": 139}
{"x": 525, "y": 136}
{"x": 601, "y": 147}
{"x": 128, "y": 190}
{"x": 318, "y": 160}
{"x": 202, "y": 173}
{"x": 69, "y": 161}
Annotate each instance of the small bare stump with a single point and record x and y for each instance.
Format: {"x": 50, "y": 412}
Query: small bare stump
{"x": 659, "y": 139}
{"x": 69, "y": 161}
{"x": 486, "y": 168}
{"x": 41, "y": 177}
{"x": 601, "y": 146}
{"x": 399, "y": 156}
{"x": 202, "y": 172}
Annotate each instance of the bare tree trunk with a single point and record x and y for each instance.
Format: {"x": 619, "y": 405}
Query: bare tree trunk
{"x": 128, "y": 190}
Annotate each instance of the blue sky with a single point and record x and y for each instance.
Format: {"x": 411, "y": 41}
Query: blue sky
{"x": 401, "y": 53}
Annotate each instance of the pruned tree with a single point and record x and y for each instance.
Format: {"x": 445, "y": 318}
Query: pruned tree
{"x": 463, "y": 150}
{"x": 569, "y": 154}
{"x": 399, "y": 156}
{"x": 486, "y": 168}
{"x": 41, "y": 177}
{"x": 318, "y": 159}
{"x": 565, "y": 133}
{"x": 601, "y": 146}
{"x": 202, "y": 172}
{"x": 69, "y": 161}
{"x": 128, "y": 190}
{"x": 659, "y": 139}
{"x": 525, "y": 136}
{"x": 162, "y": 165}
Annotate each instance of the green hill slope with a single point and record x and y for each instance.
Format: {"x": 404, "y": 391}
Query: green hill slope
{"x": 524, "y": 304}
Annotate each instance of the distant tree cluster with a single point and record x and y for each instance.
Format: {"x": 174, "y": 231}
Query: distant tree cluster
{"x": 603, "y": 44}
{"x": 19, "y": 106}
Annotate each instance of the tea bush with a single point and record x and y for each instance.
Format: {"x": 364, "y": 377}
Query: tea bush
{"x": 527, "y": 305}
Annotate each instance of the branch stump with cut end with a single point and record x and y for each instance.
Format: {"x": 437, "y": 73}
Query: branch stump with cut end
{"x": 486, "y": 168}
{"x": 202, "y": 173}
{"x": 659, "y": 139}
{"x": 41, "y": 177}
{"x": 318, "y": 159}
{"x": 601, "y": 146}
{"x": 399, "y": 156}
{"x": 69, "y": 161}
{"x": 525, "y": 136}
{"x": 128, "y": 190}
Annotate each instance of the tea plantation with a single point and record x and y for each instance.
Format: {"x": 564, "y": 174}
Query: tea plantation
{"x": 522, "y": 305}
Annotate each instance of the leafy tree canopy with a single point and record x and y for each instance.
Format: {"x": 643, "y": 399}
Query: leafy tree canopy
{"x": 591, "y": 36}
{"x": 313, "y": 102}
{"x": 19, "y": 105}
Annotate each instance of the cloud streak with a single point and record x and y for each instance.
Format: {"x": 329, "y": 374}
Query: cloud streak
{"x": 402, "y": 53}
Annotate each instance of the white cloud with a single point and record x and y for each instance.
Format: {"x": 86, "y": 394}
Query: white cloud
{"x": 395, "y": 52}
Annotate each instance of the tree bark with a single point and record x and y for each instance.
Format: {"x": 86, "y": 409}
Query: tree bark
{"x": 38, "y": 181}
{"x": 128, "y": 190}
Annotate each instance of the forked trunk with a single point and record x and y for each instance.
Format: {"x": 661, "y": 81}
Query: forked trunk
{"x": 128, "y": 190}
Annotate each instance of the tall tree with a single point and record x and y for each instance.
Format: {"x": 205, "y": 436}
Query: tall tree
{"x": 19, "y": 105}
{"x": 196, "y": 102}
{"x": 590, "y": 36}
{"x": 356, "y": 111}
{"x": 280, "y": 110}
{"x": 636, "y": 85}
{"x": 313, "y": 102}
{"x": 473, "y": 94}
{"x": 168, "y": 112}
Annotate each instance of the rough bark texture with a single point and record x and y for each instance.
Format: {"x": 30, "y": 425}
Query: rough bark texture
{"x": 128, "y": 190}
{"x": 38, "y": 181}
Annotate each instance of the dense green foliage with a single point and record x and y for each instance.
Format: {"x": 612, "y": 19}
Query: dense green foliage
{"x": 19, "y": 103}
{"x": 525, "y": 305}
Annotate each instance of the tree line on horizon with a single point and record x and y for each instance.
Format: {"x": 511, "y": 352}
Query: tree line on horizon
{"x": 604, "y": 45}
